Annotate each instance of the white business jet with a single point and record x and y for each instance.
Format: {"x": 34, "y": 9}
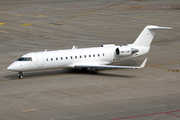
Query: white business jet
{"x": 84, "y": 58}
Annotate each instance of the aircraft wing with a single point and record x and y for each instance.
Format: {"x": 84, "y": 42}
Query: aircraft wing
{"x": 110, "y": 66}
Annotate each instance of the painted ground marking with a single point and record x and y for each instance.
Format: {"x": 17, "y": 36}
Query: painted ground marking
{"x": 168, "y": 63}
{"x": 3, "y": 31}
{"x": 30, "y": 110}
{"x": 2, "y": 23}
{"x": 169, "y": 112}
{"x": 40, "y": 15}
{"x": 16, "y": 15}
{"x": 27, "y": 24}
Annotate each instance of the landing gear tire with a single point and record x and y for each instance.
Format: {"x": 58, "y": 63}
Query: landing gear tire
{"x": 20, "y": 75}
{"x": 95, "y": 71}
{"x": 84, "y": 69}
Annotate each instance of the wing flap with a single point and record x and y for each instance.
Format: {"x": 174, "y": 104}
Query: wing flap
{"x": 110, "y": 66}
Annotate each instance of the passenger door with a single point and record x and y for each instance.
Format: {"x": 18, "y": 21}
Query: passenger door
{"x": 40, "y": 60}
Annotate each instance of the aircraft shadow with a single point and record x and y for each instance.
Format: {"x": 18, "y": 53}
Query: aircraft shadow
{"x": 66, "y": 71}
{"x": 79, "y": 71}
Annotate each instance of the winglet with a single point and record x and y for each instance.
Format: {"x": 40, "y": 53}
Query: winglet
{"x": 143, "y": 64}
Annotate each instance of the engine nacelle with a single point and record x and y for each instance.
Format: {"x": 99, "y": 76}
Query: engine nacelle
{"x": 125, "y": 51}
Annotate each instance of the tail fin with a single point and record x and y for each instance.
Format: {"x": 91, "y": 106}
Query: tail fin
{"x": 147, "y": 35}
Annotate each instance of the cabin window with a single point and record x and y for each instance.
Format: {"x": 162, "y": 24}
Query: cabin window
{"x": 71, "y": 57}
{"x": 51, "y": 59}
{"x": 56, "y": 58}
{"x": 66, "y": 58}
{"x": 89, "y": 55}
{"x": 61, "y": 58}
{"x": 80, "y": 56}
{"x": 84, "y": 56}
{"x": 76, "y": 57}
{"x": 93, "y": 55}
{"x": 46, "y": 59}
{"x": 103, "y": 54}
{"x": 98, "y": 55}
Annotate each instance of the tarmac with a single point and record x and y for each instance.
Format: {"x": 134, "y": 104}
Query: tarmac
{"x": 151, "y": 93}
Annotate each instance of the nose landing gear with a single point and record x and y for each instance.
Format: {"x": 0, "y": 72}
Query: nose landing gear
{"x": 20, "y": 75}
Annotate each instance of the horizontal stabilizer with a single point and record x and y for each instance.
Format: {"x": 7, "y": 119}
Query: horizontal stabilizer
{"x": 109, "y": 66}
{"x": 158, "y": 28}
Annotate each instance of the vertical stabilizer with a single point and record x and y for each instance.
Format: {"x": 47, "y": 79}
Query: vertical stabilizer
{"x": 147, "y": 35}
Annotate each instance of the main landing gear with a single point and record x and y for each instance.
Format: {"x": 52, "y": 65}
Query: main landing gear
{"x": 84, "y": 69}
{"x": 20, "y": 75}
{"x": 94, "y": 70}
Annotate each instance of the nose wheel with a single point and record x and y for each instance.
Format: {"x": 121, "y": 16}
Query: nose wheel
{"x": 20, "y": 75}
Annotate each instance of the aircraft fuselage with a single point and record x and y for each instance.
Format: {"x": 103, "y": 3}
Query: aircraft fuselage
{"x": 68, "y": 58}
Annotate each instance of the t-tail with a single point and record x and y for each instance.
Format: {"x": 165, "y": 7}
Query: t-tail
{"x": 147, "y": 35}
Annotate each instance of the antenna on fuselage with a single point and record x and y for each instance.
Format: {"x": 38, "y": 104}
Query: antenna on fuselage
{"x": 74, "y": 47}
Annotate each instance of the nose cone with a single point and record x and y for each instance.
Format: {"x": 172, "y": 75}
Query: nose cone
{"x": 10, "y": 67}
{"x": 14, "y": 67}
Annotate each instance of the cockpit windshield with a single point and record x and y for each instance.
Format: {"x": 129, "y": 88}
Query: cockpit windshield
{"x": 25, "y": 59}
